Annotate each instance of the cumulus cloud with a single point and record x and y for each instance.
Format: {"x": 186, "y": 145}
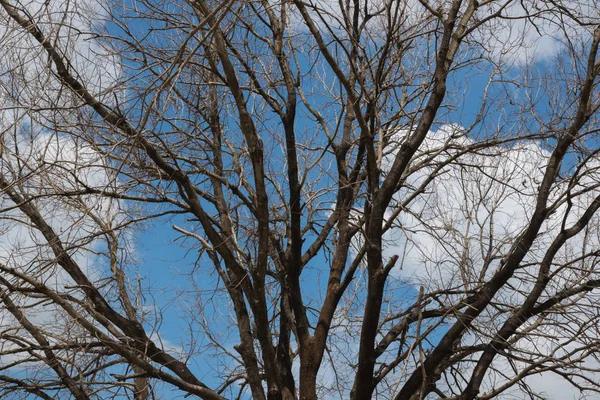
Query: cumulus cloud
{"x": 481, "y": 197}
{"x": 41, "y": 163}
{"x": 24, "y": 74}
{"x": 521, "y": 32}
{"x": 454, "y": 234}
{"x": 41, "y": 168}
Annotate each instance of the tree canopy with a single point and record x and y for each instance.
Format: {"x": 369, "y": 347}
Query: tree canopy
{"x": 288, "y": 199}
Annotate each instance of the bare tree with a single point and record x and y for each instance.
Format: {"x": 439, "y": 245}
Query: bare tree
{"x": 388, "y": 199}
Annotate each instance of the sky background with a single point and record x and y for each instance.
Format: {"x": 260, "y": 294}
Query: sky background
{"x": 167, "y": 265}
{"x": 164, "y": 267}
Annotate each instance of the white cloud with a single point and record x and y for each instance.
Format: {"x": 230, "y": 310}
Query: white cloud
{"x": 523, "y": 32}
{"x": 24, "y": 74}
{"x": 482, "y": 196}
{"x": 47, "y": 164}
{"x": 42, "y": 163}
{"x": 455, "y": 233}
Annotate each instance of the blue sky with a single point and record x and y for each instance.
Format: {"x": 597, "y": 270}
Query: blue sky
{"x": 171, "y": 271}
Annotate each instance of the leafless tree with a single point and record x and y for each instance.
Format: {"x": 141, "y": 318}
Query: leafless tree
{"x": 391, "y": 199}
